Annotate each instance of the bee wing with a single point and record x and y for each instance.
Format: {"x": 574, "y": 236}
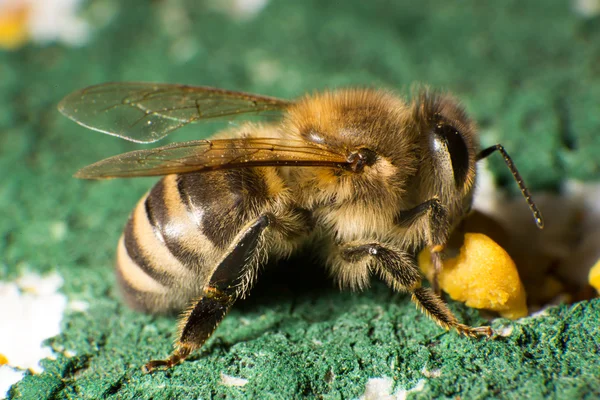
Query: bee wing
{"x": 147, "y": 112}
{"x": 210, "y": 155}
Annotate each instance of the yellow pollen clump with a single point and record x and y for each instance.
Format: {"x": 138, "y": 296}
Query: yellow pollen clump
{"x": 13, "y": 27}
{"x": 594, "y": 276}
{"x": 482, "y": 276}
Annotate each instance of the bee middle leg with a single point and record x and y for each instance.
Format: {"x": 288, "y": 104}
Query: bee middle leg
{"x": 398, "y": 269}
{"x": 229, "y": 282}
{"x": 438, "y": 229}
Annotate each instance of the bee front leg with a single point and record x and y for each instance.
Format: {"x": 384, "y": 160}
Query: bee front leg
{"x": 230, "y": 281}
{"x": 398, "y": 269}
{"x": 438, "y": 229}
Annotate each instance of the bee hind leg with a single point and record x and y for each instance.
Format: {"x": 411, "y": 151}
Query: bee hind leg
{"x": 197, "y": 324}
{"x": 398, "y": 269}
{"x": 229, "y": 282}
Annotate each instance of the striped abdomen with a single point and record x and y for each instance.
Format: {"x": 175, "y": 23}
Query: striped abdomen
{"x": 179, "y": 232}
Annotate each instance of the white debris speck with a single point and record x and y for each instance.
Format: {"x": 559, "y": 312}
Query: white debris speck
{"x": 228, "y": 380}
{"x": 8, "y": 377}
{"x": 31, "y": 312}
{"x": 69, "y": 353}
{"x": 79, "y": 305}
{"x": 434, "y": 373}
{"x": 317, "y": 342}
{"x": 381, "y": 389}
{"x": 505, "y": 331}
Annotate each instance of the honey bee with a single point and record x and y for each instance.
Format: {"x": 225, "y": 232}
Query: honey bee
{"x": 365, "y": 177}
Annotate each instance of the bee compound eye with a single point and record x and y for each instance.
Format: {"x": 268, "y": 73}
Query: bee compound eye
{"x": 448, "y": 139}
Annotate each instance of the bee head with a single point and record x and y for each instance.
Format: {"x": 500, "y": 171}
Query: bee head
{"x": 449, "y": 145}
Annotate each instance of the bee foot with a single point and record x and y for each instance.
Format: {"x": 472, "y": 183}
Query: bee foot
{"x": 176, "y": 358}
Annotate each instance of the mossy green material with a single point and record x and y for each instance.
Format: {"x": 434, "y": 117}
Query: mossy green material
{"x": 526, "y": 70}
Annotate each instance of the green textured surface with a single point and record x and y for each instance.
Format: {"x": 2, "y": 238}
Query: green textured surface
{"x": 528, "y": 72}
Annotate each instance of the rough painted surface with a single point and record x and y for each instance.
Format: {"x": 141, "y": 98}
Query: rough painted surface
{"x": 528, "y": 72}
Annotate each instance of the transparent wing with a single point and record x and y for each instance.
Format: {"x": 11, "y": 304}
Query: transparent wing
{"x": 210, "y": 155}
{"x": 147, "y": 112}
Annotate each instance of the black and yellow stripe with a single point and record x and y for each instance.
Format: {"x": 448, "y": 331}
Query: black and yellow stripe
{"x": 179, "y": 232}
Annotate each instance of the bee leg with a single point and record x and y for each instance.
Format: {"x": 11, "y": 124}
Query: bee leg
{"x": 398, "y": 269}
{"x": 230, "y": 281}
{"x": 430, "y": 303}
{"x": 438, "y": 229}
{"x": 196, "y": 326}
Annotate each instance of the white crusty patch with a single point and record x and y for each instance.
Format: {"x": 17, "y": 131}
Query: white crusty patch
{"x": 229, "y": 380}
{"x": 402, "y": 394}
{"x": 8, "y": 377}
{"x": 381, "y": 389}
{"x": 31, "y": 312}
{"x": 378, "y": 388}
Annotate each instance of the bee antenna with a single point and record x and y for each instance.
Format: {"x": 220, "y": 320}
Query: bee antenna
{"x": 537, "y": 215}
